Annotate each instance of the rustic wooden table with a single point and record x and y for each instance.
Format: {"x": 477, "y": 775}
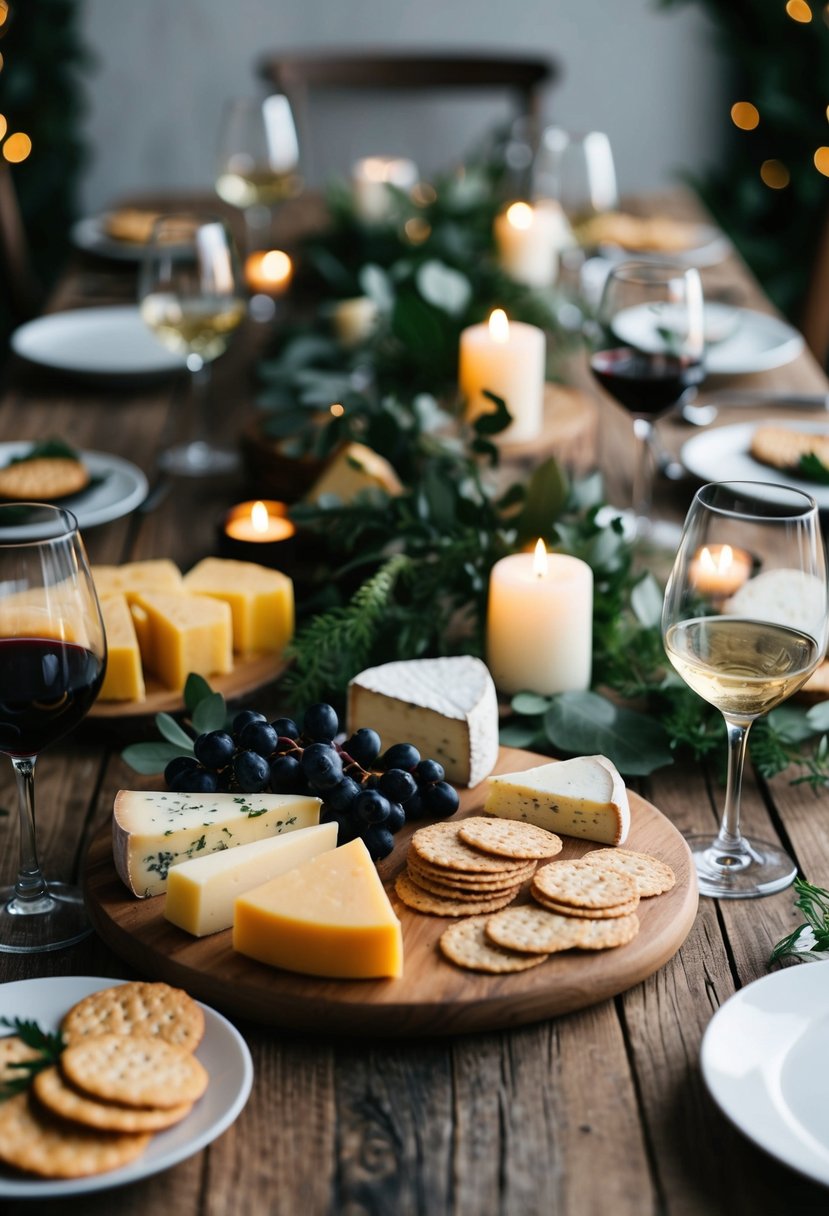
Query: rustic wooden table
{"x": 602, "y": 1111}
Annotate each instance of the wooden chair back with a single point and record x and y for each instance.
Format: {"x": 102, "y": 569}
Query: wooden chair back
{"x": 17, "y": 279}
{"x": 815, "y": 318}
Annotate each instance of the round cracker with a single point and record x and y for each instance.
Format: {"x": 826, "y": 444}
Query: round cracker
{"x": 414, "y": 896}
{"x": 465, "y": 943}
{"x": 651, "y": 875}
{"x": 476, "y": 881}
{"x": 14, "y": 1051}
{"x": 43, "y": 478}
{"x": 535, "y": 930}
{"x": 137, "y": 1008}
{"x": 617, "y": 910}
{"x": 33, "y": 1140}
{"x": 465, "y": 895}
{"x": 583, "y": 886}
{"x": 53, "y": 1092}
{"x": 134, "y": 1070}
{"x": 440, "y": 844}
{"x": 607, "y": 934}
{"x": 509, "y": 838}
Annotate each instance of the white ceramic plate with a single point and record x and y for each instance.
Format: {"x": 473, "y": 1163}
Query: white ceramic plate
{"x": 90, "y": 235}
{"x": 95, "y": 342}
{"x": 120, "y": 486}
{"x": 222, "y": 1051}
{"x": 722, "y": 454}
{"x": 739, "y": 341}
{"x": 764, "y": 1059}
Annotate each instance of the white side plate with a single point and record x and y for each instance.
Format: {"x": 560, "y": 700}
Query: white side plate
{"x": 122, "y": 486}
{"x": 722, "y": 454}
{"x": 112, "y": 341}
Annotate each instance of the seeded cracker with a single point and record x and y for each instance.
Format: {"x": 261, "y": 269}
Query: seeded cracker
{"x": 53, "y": 1092}
{"x": 586, "y": 913}
{"x": 133, "y": 1070}
{"x": 651, "y": 875}
{"x": 466, "y": 944}
{"x": 137, "y": 1008}
{"x": 33, "y": 1140}
{"x": 14, "y": 1051}
{"x": 582, "y": 885}
{"x": 509, "y": 838}
{"x": 535, "y": 930}
{"x": 472, "y": 882}
{"x": 440, "y": 844}
{"x": 415, "y": 897}
{"x": 464, "y": 895}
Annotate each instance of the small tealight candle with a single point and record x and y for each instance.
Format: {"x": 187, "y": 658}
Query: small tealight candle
{"x": 371, "y": 177}
{"x": 506, "y": 358}
{"x": 528, "y": 240}
{"x": 269, "y": 272}
{"x": 259, "y": 523}
{"x": 540, "y": 623}
{"x": 720, "y": 570}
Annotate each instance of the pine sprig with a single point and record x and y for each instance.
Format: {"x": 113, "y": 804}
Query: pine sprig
{"x": 812, "y": 937}
{"x": 48, "y": 1045}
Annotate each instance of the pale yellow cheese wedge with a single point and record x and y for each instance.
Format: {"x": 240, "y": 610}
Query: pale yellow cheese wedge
{"x": 124, "y": 679}
{"x": 261, "y": 601}
{"x": 329, "y": 917}
{"x": 157, "y": 574}
{"x": 201, "y": 893}
{"x": 353, "y": 469}
{"x": 180, "y": 633}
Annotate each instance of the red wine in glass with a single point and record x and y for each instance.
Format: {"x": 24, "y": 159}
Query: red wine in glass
{"x": 643, "y": 383}
{"x": 46, "y": 687}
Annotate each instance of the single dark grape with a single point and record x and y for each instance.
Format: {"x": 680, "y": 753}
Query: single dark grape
{"x": 371, "y": 807}
{"x": 379, "y": 841}
{"x": 322, "y": 766}
{"x": 414, "y": 807}
{"x": 320, "y": 723}
{"x": 177, "y": 767}
{"x": 428, "y": 771}
{"x": 214, "y": 749}
{"x": 348, "y": 828}
{"x": 363, "y": 746}
{"x": 396, "y": 819}
{"x": 251, "y": 772}
{"x": 440, "y": 799}
{"x": 342, "y": 795}
{"x": 286, "y": 728}
{"x": 199, "y": 781}
{"x": 401, "y": 755}
{"x": 397, "y": 785}
{"x": 259, "y": 737}
{"x": 244, "y": 716}
{"x": 286, "y": 775}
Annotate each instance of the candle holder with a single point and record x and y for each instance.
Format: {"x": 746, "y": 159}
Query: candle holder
{"x": 259, "y": 531}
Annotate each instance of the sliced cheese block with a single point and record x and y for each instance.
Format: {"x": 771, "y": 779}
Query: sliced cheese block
{"x": 446, "y": 708}
{"x": 329, "y": 917}
{"x": 133, "y": 577}
{"x": 584, "y": 797}
{"x": 353, "y": 469}
{"x": 180, "y": 633}
{"x": 261, "y": 601}
{"x": 124, "y": 679}
{"x": 201, "y": 892}
{"x": 152, "y": 832}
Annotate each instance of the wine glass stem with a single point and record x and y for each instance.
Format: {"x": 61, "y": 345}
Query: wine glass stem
{"x": 729, "y": 838}
{"x": 30, "y": 885}
{"x": 200, "y": 379}
{"x": 643, "y": 472}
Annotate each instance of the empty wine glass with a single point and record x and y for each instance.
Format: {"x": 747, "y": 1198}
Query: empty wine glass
{"x": 52, "y": 663}
{"x": 744, "y": 622}
{"x": 577, "y": 171}
{"x": 258, "y": 160}
{"x": 192, "y": 299}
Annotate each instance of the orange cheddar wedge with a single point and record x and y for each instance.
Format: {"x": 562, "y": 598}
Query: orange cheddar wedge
{"x": 329, "y": 917}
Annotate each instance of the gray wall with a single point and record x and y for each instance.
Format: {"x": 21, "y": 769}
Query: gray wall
{"x": 650, "y": 79}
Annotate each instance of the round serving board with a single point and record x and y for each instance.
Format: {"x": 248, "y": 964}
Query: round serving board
{"x": 433, "y": 996}
{"x": 249, "y": 674}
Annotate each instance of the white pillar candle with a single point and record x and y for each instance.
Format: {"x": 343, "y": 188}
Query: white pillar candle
{"x": 506, "y": 358}
{"x": 539, "y": 635}
{"x": 371, "y": 178}
{"x": 528, "y": 240}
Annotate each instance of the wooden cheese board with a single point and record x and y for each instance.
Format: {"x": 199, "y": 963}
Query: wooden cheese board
{"x": 250, "y": 673}
{"x": 433, "y": 996}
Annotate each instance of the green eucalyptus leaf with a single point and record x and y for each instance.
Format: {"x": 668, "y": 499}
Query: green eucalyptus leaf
{"x": 210, "y": 713}
{"x": 172, "y": 732}
{"x": 516, "y": 734}
{"x": 818, "y": 717}
{"x": 530, "y": 703}
{"x": 149, "y": 758}
{"x": 443, "y": 287}
{"x": 547, "y": 494}
{"x": 196, "y": 689}
{"x": 494, "y": 421}
{"x": 378, "y": 287}
{"x": 792, "y": 723}
{"x": 585, "y": 723}
{"x": 646, "y": 602}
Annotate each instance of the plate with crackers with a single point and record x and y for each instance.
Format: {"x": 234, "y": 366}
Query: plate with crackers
{"x": 121, "y": 234}
{"x": 770, "y": 451}
{"x": 142, "y": 1077}
{"x": 660, "y": 236}
{"x": 96, "y": 487}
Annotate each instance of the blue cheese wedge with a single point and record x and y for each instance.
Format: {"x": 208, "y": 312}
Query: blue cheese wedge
{"x": 585, "y": 797}
{"x": 446, "y": 708}
{"x": 152, "y": 832}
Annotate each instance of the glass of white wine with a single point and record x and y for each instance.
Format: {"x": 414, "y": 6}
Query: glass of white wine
{"x": 258, "y": 160}
{"x": 744, "y": 622}
{"x": 192, "y": 298}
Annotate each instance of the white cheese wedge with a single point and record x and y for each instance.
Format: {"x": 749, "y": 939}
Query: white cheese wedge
{"x": 447, "y": 708}
{"x": 201, "y": 892}
{"x": 584, "y": 797}
{"x": 151, "y": 832}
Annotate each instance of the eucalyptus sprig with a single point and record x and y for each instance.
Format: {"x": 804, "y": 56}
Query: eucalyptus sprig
{"x": 48, "y": 1046}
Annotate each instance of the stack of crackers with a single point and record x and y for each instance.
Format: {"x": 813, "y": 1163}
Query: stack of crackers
{"x": 127, "y": 1071}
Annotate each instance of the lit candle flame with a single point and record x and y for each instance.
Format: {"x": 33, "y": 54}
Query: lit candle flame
{"x": 498, "y": 325}
{"x": 276, "y": 265}
{"x": 722, "y": 564}
{"x": 520, "y": 215}
{"x": 259, "y": 517}
{"x": 540, "y": 562}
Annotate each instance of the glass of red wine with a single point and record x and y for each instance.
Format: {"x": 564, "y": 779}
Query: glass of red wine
{"x": 647, "y": 352}
{"x": 52, "y": 663}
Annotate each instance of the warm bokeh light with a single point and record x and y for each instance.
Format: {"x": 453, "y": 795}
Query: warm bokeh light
{"x": 17, "y": 147}
{"x": 774, "y": 174}
{"x": 520, "y": 215}
{"x": 498, "y": 325}
{"x": 799, "y": 10}
{"x": 745, "y": 115}
{"x": 821, "y": 159}
{"x": 417, "y": 231}
{"x": 269, "y": 271}
{"x": 423, "y": 195}
{"x": 4, "y": 12}
{"x": 4, "y": 126}
{"x": 540, "y": 562}
{"x": 1, "y": 62}
{"x": 337, "y": 409}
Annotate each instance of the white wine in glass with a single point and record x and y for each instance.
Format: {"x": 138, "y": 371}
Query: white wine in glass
{"x": 745, "y": 631}
{"x": 258, "y": 160}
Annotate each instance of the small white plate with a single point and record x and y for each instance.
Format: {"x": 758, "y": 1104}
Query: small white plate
{"x": 222, "y": 1051}
{"x": 120, "y": 487}
{"x": 709, "y": 246}
{"x": 722, "y": 454}
{"x": 765, "y": 1062}
{"x": 90, "y": 235}
{"x": 95, "y": 342}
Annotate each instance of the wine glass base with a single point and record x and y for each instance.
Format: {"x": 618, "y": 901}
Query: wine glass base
{"x": 760, "y": 868}
{"x": 52, "y": 923}
{"x": 198, "y": 459}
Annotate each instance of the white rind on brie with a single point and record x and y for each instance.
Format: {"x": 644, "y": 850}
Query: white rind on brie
{"x": 585, "y": 797}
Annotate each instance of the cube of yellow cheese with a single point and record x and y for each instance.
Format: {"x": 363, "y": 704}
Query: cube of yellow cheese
{"x": 124, "y": 679}
{"x": 330, "y": 917}
{"x": 134, "y": 577}
{"x": 261, "y": 601}
{"x": 179, "y": 633}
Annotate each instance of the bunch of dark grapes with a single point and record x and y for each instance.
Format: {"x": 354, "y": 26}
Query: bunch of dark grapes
{"x": 367, "y": 792}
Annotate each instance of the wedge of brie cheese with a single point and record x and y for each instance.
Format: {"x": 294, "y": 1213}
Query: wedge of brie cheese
{"x": 585, "y": 797}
